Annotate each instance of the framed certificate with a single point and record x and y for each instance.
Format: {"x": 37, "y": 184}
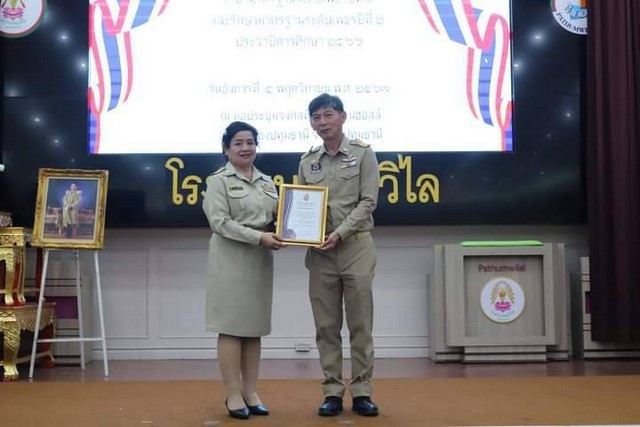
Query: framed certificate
{"x": 302, "y": 214}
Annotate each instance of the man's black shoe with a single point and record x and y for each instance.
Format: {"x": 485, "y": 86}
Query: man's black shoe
{"x": 331, "y": 406}
{"x": 364, "y": 406}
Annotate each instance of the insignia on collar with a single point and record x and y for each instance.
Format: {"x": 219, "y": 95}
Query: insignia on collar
{"x": 359, "y": 143}
{"x": 311, "y": 151}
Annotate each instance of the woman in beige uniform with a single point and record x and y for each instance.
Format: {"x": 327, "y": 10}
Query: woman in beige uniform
{"x": 240, "y": 205}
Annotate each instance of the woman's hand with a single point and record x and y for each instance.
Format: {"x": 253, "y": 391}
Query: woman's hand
{"x": 271, "y": 241}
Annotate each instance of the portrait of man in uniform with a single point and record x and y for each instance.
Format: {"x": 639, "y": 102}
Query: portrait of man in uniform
{"x": 70, "y": 208}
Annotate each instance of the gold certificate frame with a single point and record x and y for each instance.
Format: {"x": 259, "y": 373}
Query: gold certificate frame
{"x": 302, "y": 214}
{"x": 70, "y": 208}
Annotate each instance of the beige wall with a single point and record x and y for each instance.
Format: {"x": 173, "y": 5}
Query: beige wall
{"x": 154, "y": 287}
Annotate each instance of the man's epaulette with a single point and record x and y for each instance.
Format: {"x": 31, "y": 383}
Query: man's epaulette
{"x": 359, "y": 143}
{"x": 311, "y": 151}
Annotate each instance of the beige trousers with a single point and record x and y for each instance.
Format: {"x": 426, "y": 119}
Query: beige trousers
{"x": 344, "y": 273}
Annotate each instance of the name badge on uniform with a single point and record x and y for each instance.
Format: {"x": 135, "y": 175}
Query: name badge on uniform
{"x": 236, "y": 188}
{"x": 269, "y": 190}
{"x": 348, "y": 162}
{"x": 316, "y": 167}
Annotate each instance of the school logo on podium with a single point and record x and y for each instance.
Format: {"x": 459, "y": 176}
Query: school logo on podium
{"x": 502, "y": 300}
{"x": 571, "y": 15}
{"x": 19, "y": 18}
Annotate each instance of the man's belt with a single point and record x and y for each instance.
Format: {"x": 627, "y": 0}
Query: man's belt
{"x": 357, "y": 236}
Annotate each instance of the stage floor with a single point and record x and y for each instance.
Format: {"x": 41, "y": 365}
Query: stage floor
{"x": 162, "y": 370}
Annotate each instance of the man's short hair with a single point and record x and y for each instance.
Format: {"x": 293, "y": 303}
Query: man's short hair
{"x": 325, "y": 100}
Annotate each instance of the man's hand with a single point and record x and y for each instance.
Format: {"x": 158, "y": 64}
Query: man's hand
{"x": 271, "y": 241}
{"x": 330, "y": 242}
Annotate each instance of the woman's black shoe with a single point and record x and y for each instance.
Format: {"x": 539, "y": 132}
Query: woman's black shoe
{"x": 241, "y": 414}
{"x": 258, "y": 409}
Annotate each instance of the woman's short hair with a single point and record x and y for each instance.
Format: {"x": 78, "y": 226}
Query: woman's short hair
{"x": 233, "y": 129}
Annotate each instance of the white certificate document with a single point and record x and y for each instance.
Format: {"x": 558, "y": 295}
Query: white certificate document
{"x": 302, "y": 214}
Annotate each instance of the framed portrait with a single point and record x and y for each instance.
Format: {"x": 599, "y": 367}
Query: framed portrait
{"x": 302, "y": 214}
{"x": 70, "y": 208}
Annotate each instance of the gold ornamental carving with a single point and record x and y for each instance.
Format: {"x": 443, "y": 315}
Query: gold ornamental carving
{"x": 13, "y": 243}
{"x": 13, "y": 320}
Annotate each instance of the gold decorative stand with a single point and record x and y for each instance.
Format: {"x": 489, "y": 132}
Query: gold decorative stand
{"x": 13, "y": 242}
{"x": 13, "y": 321}
{"x": 16, "y": 316}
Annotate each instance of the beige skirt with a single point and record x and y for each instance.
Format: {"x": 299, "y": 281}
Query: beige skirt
{"x": 239, "y": 288}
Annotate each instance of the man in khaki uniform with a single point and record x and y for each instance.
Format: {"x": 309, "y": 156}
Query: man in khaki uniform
{"x": 70, "y": 204}
{"x": 343, "y": 266}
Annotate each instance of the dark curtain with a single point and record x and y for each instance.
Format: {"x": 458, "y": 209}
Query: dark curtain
{"x": 613, "y": 161}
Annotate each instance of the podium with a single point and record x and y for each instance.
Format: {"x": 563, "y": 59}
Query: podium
{"x": 498, "y": 302}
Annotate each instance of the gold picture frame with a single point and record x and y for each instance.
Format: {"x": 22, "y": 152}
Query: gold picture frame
{"x": 302, "y": 214}
{"x": 70, "y": 208}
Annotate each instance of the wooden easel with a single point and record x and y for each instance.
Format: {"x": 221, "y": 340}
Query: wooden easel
{"x": 81, "y": 338}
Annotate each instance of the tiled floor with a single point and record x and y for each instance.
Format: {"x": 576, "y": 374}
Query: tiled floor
{"x": 130, "y": 370}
